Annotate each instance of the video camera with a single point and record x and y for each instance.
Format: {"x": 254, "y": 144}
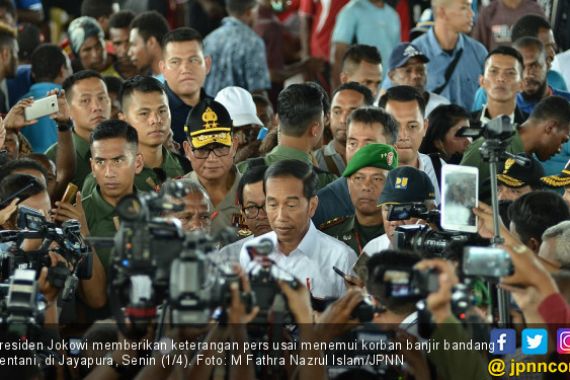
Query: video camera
{"x": 407, "y": 211}
{"x": 424, "y": 239}
{"x": 69, "y": 244}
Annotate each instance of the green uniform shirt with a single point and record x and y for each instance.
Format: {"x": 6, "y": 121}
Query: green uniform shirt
{"x": 147, "y": 179}
{"x": 348, "y": 230}
{"x": 227, "y": 213}
{"x": 82, "y": 156}
{"x": 100, "y": 216}
{"x": 472, "y": 157}
{"x": 280, "y": 153}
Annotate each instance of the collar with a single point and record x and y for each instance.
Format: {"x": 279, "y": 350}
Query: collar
{"x": 435, "y": 47}
{"x": 81, "y": 146}
{"x": 291, "y": 153}
{"x": 329, "y": 150}
{"x": 307, "y": 245}
{"x": 169, "y": 162}
{"x": 423, "y": 160}
{"x": 102, "y": 206}
{"x": 174, "y": 101}
{"x": 484, "y": 119}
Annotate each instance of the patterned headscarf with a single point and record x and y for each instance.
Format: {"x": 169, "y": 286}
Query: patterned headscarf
{"x": 81, "y": 29}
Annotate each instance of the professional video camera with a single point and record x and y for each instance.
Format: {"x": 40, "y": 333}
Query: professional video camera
{"x": 69, "y": 244}
{"x": 424, "y": 239}
{"x": 20, "y": 309}
{"x": 417, "y": 210}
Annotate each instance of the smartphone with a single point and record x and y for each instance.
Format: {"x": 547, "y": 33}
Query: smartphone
{"x": 69, "y": 194}
{"x": 42, "y": 107}
{"x": 487, "y": 262}
{"x": 460, "y": 194}
{"x": 339, "y": 272}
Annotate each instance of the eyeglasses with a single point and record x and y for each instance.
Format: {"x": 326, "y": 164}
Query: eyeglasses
{"x": 203, "y": 153}
{"x": 252, "y": 211}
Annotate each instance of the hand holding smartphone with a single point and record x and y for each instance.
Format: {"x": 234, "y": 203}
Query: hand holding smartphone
{"x": 460, "y": 194}
{"x": 70, "y": 192}
{"x": 41, "y": 107}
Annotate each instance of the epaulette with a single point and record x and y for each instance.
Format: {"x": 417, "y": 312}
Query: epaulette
{"x": 333, "y": 222}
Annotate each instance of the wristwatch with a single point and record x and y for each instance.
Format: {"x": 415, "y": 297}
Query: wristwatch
{"x": 64, "y": 126}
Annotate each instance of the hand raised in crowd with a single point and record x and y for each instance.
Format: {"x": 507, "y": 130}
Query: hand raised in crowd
{"x": 49, "y": 291}
{"x": 7, "y": 211}
{"x": 65, "y": 211}
{"x": 439, "y": 302}
{"x": 16, "y": 118}
{"x": 529, "y": 271}
{"x": 299, "y": 301}
{"x": 337, "y": 318}
{"x": 237, "y": 312}
{"x": 62, "y": 115}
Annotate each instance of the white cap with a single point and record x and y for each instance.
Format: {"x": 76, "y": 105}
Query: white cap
{"x": 240, "y": 106}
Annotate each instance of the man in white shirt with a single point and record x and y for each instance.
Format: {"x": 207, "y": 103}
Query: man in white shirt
{"x": 300, "y": 249}
{"x": 404, "y": 185}
{"x": 407, "y": 106}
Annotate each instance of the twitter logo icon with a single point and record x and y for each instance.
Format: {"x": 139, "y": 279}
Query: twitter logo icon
{"x": 534, "y": 341}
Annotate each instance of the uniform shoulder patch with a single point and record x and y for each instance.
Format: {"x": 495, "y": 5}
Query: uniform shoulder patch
{"x": 333, "y": 222}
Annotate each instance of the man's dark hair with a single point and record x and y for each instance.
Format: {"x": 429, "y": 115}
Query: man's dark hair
{"x": 114, "y": 84}
{"x": 528, "y": 26}
{"x": 355, "y": 86}
{"x": 378, "y": 264}
{"x": 97, "y": 8}
{"x": 252, "y": 175}
{"x": 371, "y": 115}
{"x": 110, "y": 129}
{"x": 139, "y": 83}
{"x": 441, "y": 120}
{"x": 47, "y": 61}
{"x": 534, "y": 212}
{"x": 403, "y": 94}
{"x": 552, "y": 108}
{"x": 506, "y": 50}
{"x": 298, "y": 106}
{"x": 239, "y": 7}
{"x": 14, "y": 182}
{"x": 150, "y": 24}
{"x": 325, "y": 99}
{"x": 121, "y": 19}
{"x": 297, "y": 169}
{"x": 262, "y": 100}
{"x": 358, "y": 53}
{"x": 71, "y": 80}
{"x": 29, "y": 38}
{"x": 529, "y": 42}
{"x": 182, "y": 34}
{"x": 19, "y": 164}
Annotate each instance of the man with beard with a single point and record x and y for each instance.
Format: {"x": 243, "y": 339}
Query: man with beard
{"x": 346, "y": 98}
{"x": 543, "y": 134}
{"x": 407, "y": 67}
{"x": 534, "y": 85}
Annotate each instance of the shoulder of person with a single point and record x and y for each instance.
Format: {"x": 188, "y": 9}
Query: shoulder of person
{"x": 334, "y": 222}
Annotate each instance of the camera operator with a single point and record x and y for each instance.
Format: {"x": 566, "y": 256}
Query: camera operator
{"x": 25, "y": 166}
{"x": 515, "y": 180}
{"x": 533, "y": 213}
{"x": 404, "y": 185}
{"x": 543, "y": 134}
{"x": 290, "y": 202}
{"x": 366, "y": 173}
{"x": 251, "y": 197}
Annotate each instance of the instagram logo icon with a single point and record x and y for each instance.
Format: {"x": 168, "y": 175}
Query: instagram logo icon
{"x": 563, "y": 341}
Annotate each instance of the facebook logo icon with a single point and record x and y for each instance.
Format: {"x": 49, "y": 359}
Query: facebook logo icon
{"x": 503, "y": 341}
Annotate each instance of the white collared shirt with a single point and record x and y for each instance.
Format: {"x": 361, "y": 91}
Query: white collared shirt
{"x": 376, "y": 245}
{"x": 484, "y": 119}
{"x": 311, "y": 262}
{"x": 426, "y": 166}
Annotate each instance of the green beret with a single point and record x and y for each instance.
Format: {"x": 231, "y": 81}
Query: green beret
{"x": 372, "y": 155}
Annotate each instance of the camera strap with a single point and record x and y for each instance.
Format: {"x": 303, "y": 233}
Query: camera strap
{"x": 449, "y": 72}
{"x": 436, "y": 163}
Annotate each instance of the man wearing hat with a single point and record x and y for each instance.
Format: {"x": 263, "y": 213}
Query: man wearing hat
{"x": 407, "y": 67}
{"x": 241, "y": 108}
{"x": 211, "y": 147}
{"x": 560, "y": 181}
{"x": 515, "y": 180}
{"x": 404, "y": 185}
{"x": 366, "y": 173}
{"x": 87, "y": 42}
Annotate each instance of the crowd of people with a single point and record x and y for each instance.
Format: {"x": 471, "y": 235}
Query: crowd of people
{"x": 298, "y": 127}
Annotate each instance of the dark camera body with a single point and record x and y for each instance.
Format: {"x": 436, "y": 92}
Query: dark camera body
{"x": 410, "y": 283}
{"x": 422, "y": 238}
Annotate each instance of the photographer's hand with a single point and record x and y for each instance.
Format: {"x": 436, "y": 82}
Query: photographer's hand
{"x": 15, "y": 118}
{"x": 339, "y": 315}
{"x": 7, "y": 211}
{"x": 299, "y": 301}
{"x": 63, "y": 114}
{"x": 485, "y": 224}
{"x": 439, "y": 302}
{"x": 237, "y": 313}
{"x": 66, "y": 211}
